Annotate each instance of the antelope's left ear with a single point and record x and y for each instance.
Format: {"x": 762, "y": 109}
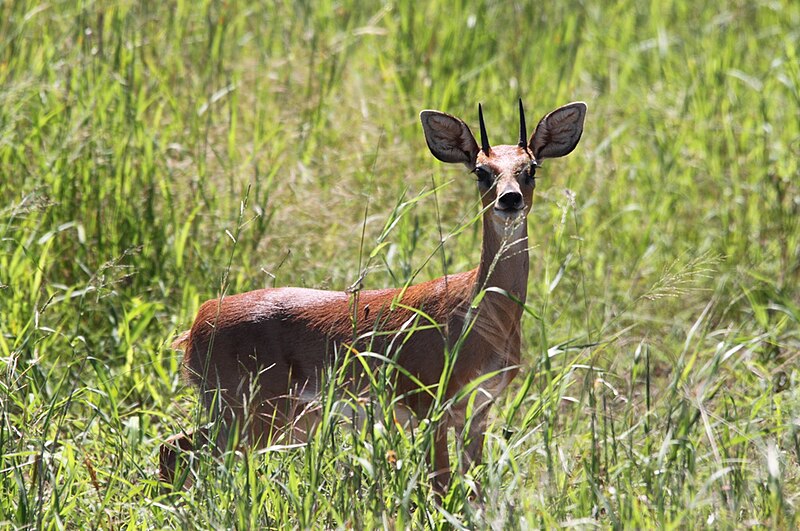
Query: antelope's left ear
{"x": 449, "y": 138}
{"x": 559, "y": 132}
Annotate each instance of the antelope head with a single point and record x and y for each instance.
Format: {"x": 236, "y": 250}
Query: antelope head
{"x": 506, "y": 174}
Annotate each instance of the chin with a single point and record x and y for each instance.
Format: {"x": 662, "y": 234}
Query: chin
{"x": 509, "y": 223}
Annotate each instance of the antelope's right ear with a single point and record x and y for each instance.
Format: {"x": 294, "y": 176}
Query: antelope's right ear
{"x": 559, "y": 132}
{"x": 448, "y": 138}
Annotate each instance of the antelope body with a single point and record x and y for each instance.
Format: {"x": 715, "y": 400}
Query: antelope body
{"x": 262, "y": 353}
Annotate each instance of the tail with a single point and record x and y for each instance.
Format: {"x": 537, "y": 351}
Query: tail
{"x": 181, "y": 341}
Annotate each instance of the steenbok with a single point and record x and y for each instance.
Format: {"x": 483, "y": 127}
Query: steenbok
{"x": 258, "y": 358}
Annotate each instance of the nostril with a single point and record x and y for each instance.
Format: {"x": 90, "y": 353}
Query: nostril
{"x": 510, "y": 201}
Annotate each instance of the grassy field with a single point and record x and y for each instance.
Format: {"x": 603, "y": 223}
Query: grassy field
{"x": 153, "y": 156}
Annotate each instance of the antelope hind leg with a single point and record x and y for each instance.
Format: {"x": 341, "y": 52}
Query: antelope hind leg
{"x": 177, "y": 448}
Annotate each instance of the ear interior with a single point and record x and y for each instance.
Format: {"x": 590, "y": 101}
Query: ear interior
{"x": 559, "y": 132}
{"x": 449, "y": 138}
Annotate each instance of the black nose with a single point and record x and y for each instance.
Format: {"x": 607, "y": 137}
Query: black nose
{"x": 510, "y": 201}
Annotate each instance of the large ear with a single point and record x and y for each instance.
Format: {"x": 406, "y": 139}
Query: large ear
{"x": 448, "y": 138}
{"x": 558, "y": 133}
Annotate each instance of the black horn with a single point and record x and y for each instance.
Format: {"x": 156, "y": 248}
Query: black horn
{"x": 485, "y": 147}
{"x": 523, "y": 133}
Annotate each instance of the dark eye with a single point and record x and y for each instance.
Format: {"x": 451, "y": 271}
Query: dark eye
{"x": 484, "y": 176}
{"x": 530, "y": 174}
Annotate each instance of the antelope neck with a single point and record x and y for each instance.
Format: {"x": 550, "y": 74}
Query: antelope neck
{"x": 509, "y": 270}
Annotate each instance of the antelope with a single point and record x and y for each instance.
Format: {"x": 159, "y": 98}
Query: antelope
{"x": 261, "y": 354}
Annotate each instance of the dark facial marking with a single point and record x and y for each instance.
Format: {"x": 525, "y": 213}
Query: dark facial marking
{"x": 484, "y": 175}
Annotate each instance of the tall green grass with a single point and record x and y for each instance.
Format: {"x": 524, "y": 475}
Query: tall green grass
{"x": 152, "y": 156}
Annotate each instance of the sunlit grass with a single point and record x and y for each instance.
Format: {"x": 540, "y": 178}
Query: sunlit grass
{"x": 154, "y": 155}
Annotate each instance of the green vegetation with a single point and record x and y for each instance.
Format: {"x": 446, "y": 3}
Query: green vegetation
{"x": 153, "y": 155}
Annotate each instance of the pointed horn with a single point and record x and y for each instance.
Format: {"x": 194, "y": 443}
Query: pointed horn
{"x": 485, "y": 147}
{"x": 523, "y": 132}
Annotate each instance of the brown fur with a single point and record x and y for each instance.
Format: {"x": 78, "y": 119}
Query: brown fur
{"x": 277, "y": 342}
